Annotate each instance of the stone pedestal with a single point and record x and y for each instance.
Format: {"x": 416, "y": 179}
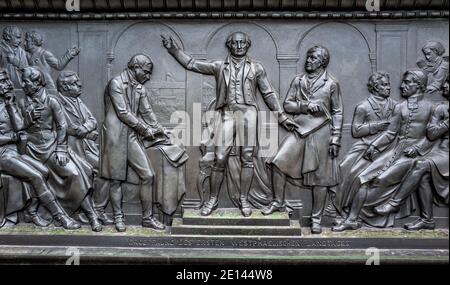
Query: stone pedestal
{"x": 226, "y": 222}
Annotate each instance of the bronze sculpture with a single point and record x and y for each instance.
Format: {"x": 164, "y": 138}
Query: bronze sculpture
{"x": 21, "y": 166}
{"x": 237, "y": 79}
{"x": 70, "y": 176}
{"x": 371, "y": 117}
{"x": 44, "y": 59}
{"x": 406, "y": 137}
{"x": 429, "y": 174}
{"x": 129, "y": 119}
{"x": 315, "y": 101}
{"x": 435, "y": 65}
{"x": 82, "y": 135}
{"x": 13, "y": 57}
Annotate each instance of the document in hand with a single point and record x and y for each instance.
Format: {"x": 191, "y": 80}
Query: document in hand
{"x": 309, "y": 123}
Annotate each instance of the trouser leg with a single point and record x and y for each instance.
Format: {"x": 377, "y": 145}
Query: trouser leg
{"x": 139, "y": 162}
{"x": 247, "y": 171}
{"x": 358, "y": 203}
{"x": 22, "y": 169}
{"x": 115, "y": 193}
{"x": 278, "y": 186}
{"x": 217, "y": 173}
{"x": 319, "y": 201}
{"x": 101, "y": 194}
{"x": 410, "y": 183}
{"x": 425, "y": 195}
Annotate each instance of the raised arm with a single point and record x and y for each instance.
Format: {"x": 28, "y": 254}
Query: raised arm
{"x": 187, "y": 61}
{"x": 60, "y": 63}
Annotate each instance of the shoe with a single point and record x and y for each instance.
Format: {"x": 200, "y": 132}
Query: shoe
{"x": 385, "y": 209}
{"x": 120, "y": 225}
{"x": 246, "y": 209}
{"x": 96, "y": 226}
{"x": 104, "y": 220}
{"x": 209, "y": 207}
{"x": 36, "y": 220}
{"x": 316, "y": 229}
{"x": 66, "y": 222}
{"x": 346, "y": 225}
{"x": 273, "y": 207}
{"x": 420, "y": 224}
{"x": 153, "y": 224}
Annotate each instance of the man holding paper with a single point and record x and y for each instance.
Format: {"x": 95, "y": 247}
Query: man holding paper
{"x": 310, "y": 153}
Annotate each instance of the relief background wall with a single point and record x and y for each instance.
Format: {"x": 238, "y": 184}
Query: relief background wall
{"x": 357, "y": 48}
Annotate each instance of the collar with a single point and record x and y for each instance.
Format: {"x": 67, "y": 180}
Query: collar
{"x": 40, "y": 97}
{"x": 128, "y": 78}
{"x": 229, "y": 59}
{"x": 415, "y": 98}
{"x": 6, "y": 45}
{"x": 68, "y": 98}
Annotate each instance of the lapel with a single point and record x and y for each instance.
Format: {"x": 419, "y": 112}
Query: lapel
{"x": 6, "y": 47}
{"x": 33, "y": 58}
{"x": 247, "y": 67}
{"x": 375, "y": 107}
{"x": 320, "y": 82}
{"x": 391, "y": 105}
{"x": 127, "y": 87}
{"x": 69, "y": 106}
{"x": 226, "y": 71}
{"x": 304, "y": 88}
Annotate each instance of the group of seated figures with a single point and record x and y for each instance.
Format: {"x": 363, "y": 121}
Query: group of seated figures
{"x": 48, "y": 139}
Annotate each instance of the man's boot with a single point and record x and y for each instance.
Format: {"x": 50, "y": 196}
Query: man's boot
{"x": 31, "y": 215}
{"x": 60, "y": 216}
{"x": 246, "y": 183}
{"x": 216, "y": 183}
{"x": 278, "y": 188}
{"x": 88, "y": 209}
{"x": 148, "y": 220}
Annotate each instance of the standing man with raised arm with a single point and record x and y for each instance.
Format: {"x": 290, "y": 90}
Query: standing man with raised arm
{"x": 237, "y": 77}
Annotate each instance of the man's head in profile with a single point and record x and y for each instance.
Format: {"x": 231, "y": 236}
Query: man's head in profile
{"x": 12, "y": 35}
{"x": 141, "y": 67}
{"x": 379, "y": 84}
{"x": 69, "y": 84}
{"x": 317, "y": 59}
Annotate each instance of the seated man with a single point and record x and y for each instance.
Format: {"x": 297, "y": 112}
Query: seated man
{"x": 406, "y": 135}
{"x": 70, "y": 176}
{"x": 429, "y": 173}
{"x": 82, "y": 134}
{"x": 370, "y": 119}
{"x": 24, "y": 167}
